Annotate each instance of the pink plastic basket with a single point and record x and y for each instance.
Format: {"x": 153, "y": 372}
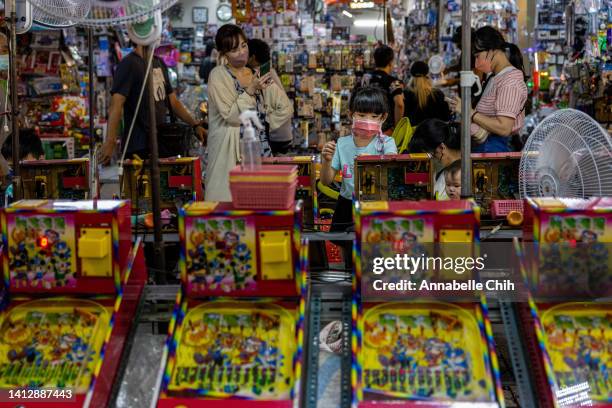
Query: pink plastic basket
{"x": 501, "y": 208}
{"x": 257, "y": 194}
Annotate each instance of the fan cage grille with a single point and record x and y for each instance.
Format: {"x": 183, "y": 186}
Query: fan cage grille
{"x": 567, "y": 155}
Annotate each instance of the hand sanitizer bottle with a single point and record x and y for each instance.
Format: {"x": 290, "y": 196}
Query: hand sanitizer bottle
{"x": 250, "y": 146}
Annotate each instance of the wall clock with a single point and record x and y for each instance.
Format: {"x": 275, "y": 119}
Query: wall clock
{"x": 224, "y": 12}
{"x": 200, "y": 15}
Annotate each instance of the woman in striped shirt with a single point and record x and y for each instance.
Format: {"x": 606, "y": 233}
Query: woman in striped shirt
{"x": 500, "y": 112}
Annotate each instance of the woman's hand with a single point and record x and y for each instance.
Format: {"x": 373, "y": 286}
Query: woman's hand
{"x": 259, "y": 84}
{"x": 481, "y": 136}
{"x": 454, "y": 104}
{"x": 328, "y": 151}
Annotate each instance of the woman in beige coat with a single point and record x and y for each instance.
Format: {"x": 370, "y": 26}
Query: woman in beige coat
{"x": 232, "y": 89}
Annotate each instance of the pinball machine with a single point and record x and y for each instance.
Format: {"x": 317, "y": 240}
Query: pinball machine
{"x": 237, "y": 333}
{"x": 180, "y": 183}
{"x": 495, "y": 184}
{"x": 568, "y": 322}
{"x": 396, "y": 177}
{"x": 410, "y": 177}
{"x": 55, "y": 179}
{"x": 412, "y": 351}
{"x": 74, "y": 280}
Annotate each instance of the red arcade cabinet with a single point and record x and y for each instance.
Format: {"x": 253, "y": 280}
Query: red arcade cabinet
{"x": 236, "y": 336}
{"x": 409, "y": 350}
{"x": 74, "y": 280}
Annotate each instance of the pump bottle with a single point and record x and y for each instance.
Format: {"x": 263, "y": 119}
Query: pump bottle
{"x": 250, "y": 146}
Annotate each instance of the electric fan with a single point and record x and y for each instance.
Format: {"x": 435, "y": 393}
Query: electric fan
{"x": 567, "y": 155}
{"x": 103, "y": 13}
{"x": 436, "y": 64}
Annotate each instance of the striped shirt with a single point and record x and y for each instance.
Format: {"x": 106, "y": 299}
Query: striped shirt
{"x": 505, "y": 95}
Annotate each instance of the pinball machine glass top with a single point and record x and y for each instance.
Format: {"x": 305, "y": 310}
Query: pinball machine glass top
{"x": 59, "y": 205}
{"x": 560, "y": 204}
{"x": 418, "y": 206}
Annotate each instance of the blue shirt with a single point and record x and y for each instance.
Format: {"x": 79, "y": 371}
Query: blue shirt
{"x": 345, "y": 154}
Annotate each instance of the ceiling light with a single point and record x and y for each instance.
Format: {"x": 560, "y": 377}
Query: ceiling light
{"x": 362, "y": 4}
{"x": 368, "y": 23}
{"x": 346, "y": 13}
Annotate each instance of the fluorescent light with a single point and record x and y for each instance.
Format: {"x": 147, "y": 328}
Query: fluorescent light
{"x": 346, "y": 13}
{"x": 362, "y": 5}
{"x": 368, "y": 23}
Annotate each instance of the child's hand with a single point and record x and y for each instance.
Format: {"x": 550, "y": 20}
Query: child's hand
{"x": 328, "y": 151}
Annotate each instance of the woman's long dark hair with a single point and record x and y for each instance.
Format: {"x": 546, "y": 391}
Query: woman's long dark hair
{"x": 432, "y": 133}
{"x": 228, "y": 37}
{"x": 488, "y": 38}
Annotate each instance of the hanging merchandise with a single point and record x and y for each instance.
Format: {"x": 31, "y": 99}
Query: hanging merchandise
{"x": 570, "y": 57}
{"x": 500, "y": 14}
{"x": 241, "y": 10}
{"x": 422, "y": 31}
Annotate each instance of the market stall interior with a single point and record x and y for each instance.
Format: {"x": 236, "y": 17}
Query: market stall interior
{"x": 345, "y": 137}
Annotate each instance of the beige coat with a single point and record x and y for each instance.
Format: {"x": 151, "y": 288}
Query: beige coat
{"x": 224, "y": 108}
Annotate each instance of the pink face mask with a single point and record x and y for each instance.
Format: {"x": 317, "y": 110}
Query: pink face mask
{"x": 366, "y": 129}
{"x": 239, "y": 60}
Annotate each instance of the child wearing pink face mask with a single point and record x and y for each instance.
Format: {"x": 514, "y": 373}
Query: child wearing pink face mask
{"x": 369, "y": 109}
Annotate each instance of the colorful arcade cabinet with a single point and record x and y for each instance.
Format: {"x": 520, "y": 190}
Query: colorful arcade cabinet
{"x": 495, "y": 183}
{"x": 236, "y": 337}
{"x": 74, "y": 281}
{"x": 180, "y": 183}
{"x": 394, "y": 177}
{"x": 55, "y": 179}
{"x": 413, "y": 351}
{"x": 566, "y": 255}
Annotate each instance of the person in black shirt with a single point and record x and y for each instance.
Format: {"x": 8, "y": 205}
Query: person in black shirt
{"x": 422, "y": 100}
{"x": 127, "y": 85}
{"x": 381, "y": 77}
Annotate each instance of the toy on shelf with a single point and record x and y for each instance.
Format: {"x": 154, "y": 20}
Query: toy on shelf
{"x": 74, "y": 281}
{"x": 306, "y": 182}
{"x": 421, "y": 352}
{"x": 237, "y": 333}
{"x": 55, "y": 179}
{"x": 58, "y": 148}
{"x": 571, "y": 245}
{"x": 394, "y": 177}
{"x": 180, "y": 183}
